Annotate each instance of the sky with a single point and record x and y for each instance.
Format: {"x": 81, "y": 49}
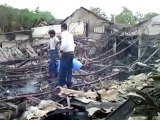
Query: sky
{"x": 63, "y": 8}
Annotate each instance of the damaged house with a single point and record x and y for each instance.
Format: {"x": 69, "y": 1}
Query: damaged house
{"x": 13, "y": 43}
{"x": 148, "y": 45}
{"x": 87, "y": 23}
{"x": 83, "y": 24}
{"x": 143, "y": 40}
{"x": 97, "y": 92}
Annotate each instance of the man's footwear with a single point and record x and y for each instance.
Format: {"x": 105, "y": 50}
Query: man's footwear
{"x": 64, "y": 86}
{"x": 56, "y": 75}
{"x": 49, "y": 77}
{"x": 58, "y": 85}
{"x": 69, "y": 85}
{"x": 49, "y": 81}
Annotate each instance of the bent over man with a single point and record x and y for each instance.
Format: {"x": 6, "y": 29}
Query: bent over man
{"x": 66, "y": 57}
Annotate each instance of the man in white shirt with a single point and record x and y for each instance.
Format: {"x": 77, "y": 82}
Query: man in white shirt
{"x": 53, "y": 54}
{"x": 66, "y": 57}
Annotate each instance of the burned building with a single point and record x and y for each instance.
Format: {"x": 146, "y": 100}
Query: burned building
{"x": 16, "y": 45}
{"x": 148, "y": 44}
{"x": 87, "y": 23}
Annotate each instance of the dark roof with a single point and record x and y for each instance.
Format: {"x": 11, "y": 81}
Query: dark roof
{"x": 55, "y": 22}
{"x": 140, "y": 23}
{"x": 89, "y": 11}
{"x": 120, "y": 26}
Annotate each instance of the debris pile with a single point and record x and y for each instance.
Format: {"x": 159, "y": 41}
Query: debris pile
{"x": 102, "y": 102}
{"x": 41, "y": 110}
{"x": 97, "y": 92}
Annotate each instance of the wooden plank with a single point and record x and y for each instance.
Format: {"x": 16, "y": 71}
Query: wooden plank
{"x": 4, "y": 54}
{"x": 19, "y": 52}
{"x": 30, "y": 51}
{"x": 10, "y": 54}
{"x": 15, "y": 55}
{"x": 2, "y": 58}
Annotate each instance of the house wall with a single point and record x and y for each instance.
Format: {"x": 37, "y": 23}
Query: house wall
{"x": 149, "y": 27}
{"x": 99, "y": 29}
{"x": 8, "y": 44}
{"x": 10, "y": 39}
{"x": 39, "y": 41}
{"x": 42, "y": 32}
{"x": 148, "y": 44}
{"x": 86, "y": 17}
{"x": 150, "y": 31}
{"x": 77, "y": 28}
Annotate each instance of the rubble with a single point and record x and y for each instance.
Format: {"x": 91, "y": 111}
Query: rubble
{"x": 109, "y": 95}
{"x": 97, "y": 93}
{"x": 41, "y": 110}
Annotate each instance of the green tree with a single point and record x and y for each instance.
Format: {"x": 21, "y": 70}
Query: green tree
{"x": 126, "y": 17}
{"x": 139, "y": 16}
{"x": 113, "y": 18}
{"x": 12, "y": 18}
{"x": 98, "y": 11}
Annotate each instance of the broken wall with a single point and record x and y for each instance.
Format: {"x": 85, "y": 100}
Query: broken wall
{"x": 86, "y": 17}
{"x": 77, "y": 28}
{"x": 148, "y": 27}
{"x": 147, "y": 45}
{"x": 10, "y": 39}
{"x": 42, "y": 32}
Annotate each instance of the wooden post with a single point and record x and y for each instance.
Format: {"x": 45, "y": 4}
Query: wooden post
{"x": 139, "y": 48}
{"x": 114, "y": 46}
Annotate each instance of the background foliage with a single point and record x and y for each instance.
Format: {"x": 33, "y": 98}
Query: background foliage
{"x": 126, "y": 16}
{"x": 13, "y": 18}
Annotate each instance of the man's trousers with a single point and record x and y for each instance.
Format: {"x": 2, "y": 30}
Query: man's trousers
{"x": 53, "y": 54}
{"x": 65, "y": 73}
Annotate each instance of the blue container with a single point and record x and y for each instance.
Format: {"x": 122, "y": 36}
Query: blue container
{"x": 76, "y": 64}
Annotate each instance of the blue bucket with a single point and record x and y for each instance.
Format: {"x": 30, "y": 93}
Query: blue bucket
{"x": 76, "y": 64}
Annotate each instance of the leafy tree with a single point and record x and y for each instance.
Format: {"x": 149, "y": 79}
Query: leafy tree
{"x": 98, "y": 11}
{"x": 126, "y": 17}
{"x": 113, "y": 18}
{"x": 12, "y": 18}
{"x": 139, "y": 16}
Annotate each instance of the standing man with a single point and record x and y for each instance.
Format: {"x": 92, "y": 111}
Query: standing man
{"x": 66, "y": 56}
{"x": 53, "y": 54}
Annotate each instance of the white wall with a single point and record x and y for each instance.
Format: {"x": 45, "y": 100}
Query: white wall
{"x": 42, "y": 32}
{"x": 77, "y": 28}
{"x": 150, "y": 27}
{"x": 86, "y": 17}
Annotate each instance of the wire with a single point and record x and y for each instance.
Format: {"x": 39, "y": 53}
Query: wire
{"x": 96, "y": 72}
{"x": 93, "y": 82}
